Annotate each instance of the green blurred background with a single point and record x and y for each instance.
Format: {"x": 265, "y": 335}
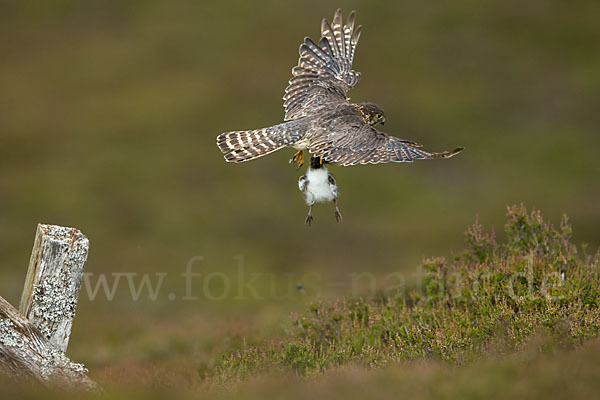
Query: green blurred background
{"x": 109, "y": 113}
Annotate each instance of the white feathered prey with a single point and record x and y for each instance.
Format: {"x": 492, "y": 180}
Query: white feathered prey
{"x": 318, "y": 186}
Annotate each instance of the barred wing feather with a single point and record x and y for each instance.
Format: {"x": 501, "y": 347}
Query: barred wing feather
{"x": 350, "y": 143}
{"x": 324, "y": 72}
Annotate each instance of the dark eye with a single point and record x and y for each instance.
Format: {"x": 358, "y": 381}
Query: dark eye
{"x": 379, "y": 115}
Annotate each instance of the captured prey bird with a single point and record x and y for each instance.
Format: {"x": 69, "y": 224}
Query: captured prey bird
{"x": 318, "y": 185}
{"x": 320, "y": 118}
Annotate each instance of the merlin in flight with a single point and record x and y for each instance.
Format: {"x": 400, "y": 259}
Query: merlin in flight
{"x": 320, "y": 118}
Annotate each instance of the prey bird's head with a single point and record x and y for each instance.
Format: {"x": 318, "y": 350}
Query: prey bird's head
{"x": 372, "y": 114}
{"x": 317, "y": 162}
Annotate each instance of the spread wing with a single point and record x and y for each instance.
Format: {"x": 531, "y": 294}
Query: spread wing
{"x": 349, "y": 141}
{"x": 324, "y": 73}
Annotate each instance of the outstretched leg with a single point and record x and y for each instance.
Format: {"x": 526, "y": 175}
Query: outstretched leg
{"x": 298, "y": 158}
{"x": 338, "y": 215}
{"x": 309, "y": 217}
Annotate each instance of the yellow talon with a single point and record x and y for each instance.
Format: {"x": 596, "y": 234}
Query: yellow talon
{"x": 298, "y": 158}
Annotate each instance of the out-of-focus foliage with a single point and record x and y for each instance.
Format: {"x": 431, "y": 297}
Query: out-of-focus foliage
{"x": 484, "y": 301}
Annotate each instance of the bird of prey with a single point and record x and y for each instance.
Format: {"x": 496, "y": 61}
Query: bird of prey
{"x": 319, "y": 116}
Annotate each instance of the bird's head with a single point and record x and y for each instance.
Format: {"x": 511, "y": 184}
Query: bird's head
{"x": 317, "y": 162}
{"x": 372, "y": 113}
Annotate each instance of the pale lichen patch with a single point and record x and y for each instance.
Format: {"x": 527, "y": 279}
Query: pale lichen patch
{"x": 54, "y": 360}
{"x": 8, "y": 334}
{"x": 53, "y": 301}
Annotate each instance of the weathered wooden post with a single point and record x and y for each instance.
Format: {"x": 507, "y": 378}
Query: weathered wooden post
{"x": 53, "y": 281}
{"x": 33, "y": 341}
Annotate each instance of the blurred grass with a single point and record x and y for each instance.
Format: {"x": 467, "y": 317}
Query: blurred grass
{"x": 109, "y": 110}
{"x": 528, "y": 374}
{"x": 492, "y": 298}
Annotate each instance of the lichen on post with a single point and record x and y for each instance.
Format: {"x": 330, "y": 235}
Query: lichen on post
{"x": 53, "y": 281}
{"x": 26, "y": 353}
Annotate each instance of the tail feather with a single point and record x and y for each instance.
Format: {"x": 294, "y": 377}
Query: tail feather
{"x": 240, "y": 146}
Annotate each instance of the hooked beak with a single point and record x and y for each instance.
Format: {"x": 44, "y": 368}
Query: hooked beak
{"x": 382, "y": 121}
